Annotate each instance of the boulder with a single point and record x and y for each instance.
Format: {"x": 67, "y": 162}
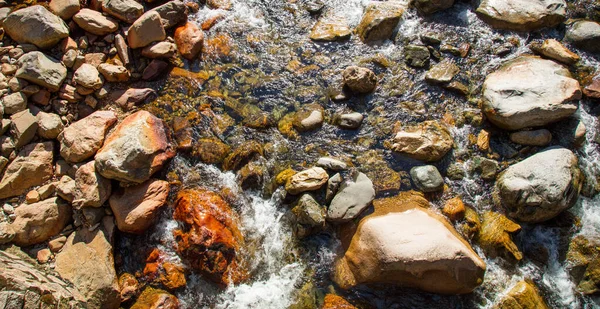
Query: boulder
{"x": 541, "y": 137}
{"x": 87, "y": 76}
{"x": 31, "y": 167}
{"x": 145, "y": 30}
{"x": 172, "y": 13}
{"x": 91, "y": 189}
{"x": 189, "y": 39}
{"x": 114, "y": 73}
{"x": 87, "y": 261}
{"x": 136, "y": 149}
{"x": 82, "y": 139}
{"x": 309, "y": 216}
{"x": 329, "y": 29}
{"x": 359, "y": 80}
{"x": 23, "y": 127}
{"x": 41, "y": 70}
{"x": 539, "y": 187}
{"x": 308, "y": 180}
{"x": 522, "y": 15}
{"x": 523, "y": 295}
{"x": 125, "y": 10}
{"x": 431, "y": 6}
{"x": 554, "y": 50}
{"x": 379, "y": 20}
{"x": 39, "y": 221}
{"x": 353, "y": 196}
{"x": 49, "y": 125}
{"x": 404, "y": 243}
{"x": 584, "y": 34}
{"x": 35, "y": 25}
{"x": 495, "y": 235}
{"x": 65, "y": 9}
{"x": 529, "y": 92}
{"x": 135, "y": 208}
{"x": 209, "y": 240}
{"x": 427, "y": 178}
{"x": 155, "y": 298}
{"x": 427, "y": 141}
{"x": 95, "y": 23}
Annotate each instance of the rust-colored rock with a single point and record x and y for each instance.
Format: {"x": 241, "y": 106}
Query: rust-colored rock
{"x": 189, "y": 39}
{"x": 495, "y": 234}
{"x": 333, "y": 301}
{"x": 128, "y": 286}
{"x": 157, "y": 269}
{"x": 454, "y": 209}
{"x": 210, "y": 239}
{"x": 153, "y": 298}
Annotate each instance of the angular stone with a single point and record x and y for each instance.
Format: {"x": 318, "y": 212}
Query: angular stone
{"x": 87, "y": 76}
{"x": 522, "y": 15}
{"x": 359, "y": 80}
{"x": 35, "y": 25}
{"x": 91, "y": 189}
{"x": 329, "y": 29}
{"x": 242, "y": 155}
{"x": 417, "y": 56}
{"x": 23, "y": 127}
{"x": 65, "y": 188}
{"x": 114, "y": 73}
{"x": 160, "y": 50}
{"x": 310, "y": 216}
{"x": 353, "y": 197}
{"x": 155, "y": 298}
{"x": 49, "y": 125}
{"x": 82, "y": 139}
{"x": 553, "y": 49}
{"x": 125, "y": 10}
{"x": 189, "y": 39}
{"x": 172, "y": 13}
{"x": 136, "y": 207}
{"x": 379, "y": 20}
{"x": 41, "y": 70}
{"x": 14, "y": 103}
{"x": 307, "y": 180}
{"x": 495, "y": 235}
{"x": 95, "y": 23}
{"x": 38, "y": 222}
{"x": 145, "y": 30}
{"x": 523, "y": 295}
{"x": 65, "y": 9}
{"x": 427, "y": 141}
{"x": 442, "y": 72}
{"x": 593, "y": 89}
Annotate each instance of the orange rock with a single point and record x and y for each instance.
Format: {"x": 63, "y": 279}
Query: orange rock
{"x": 153, "y": 298}
{"x": 333, "y": 301}
{"x": 210, "y": 21}
{"x": 189, "y": 39}
{"x": 158, "y": 270}
{"x": 210, "y": 240}
{"x": 483, "y": 140}
{"x": 128, "y": 286}
{"x": 219, "y": 4}
{"x": 218, "y": 46}
{"x": 454, "y": 209}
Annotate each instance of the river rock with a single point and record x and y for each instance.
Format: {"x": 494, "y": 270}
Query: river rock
{"x": 87, "y": 261}
{"x": 329, "y": 29}
{"x": 308, "y": 180}
{"x": 127, "y": 99}
{"x": 310, "y": 216}
{"x": 379, "y": 20}
{"x": 82, "y": 139}
{"x": 137, "y": 148}
{"x": 353, "y": 197}
{"x": 427, "y": 178}
{"x": 523, "y": 295}
{"x": 23, "y": 127}
{"x": 495, "y": 235}
{"x": 443, "y": 72}
{"x": 136, "y": 207}
{"x": 91, "y": 189}
{"x": 95, "y": 23}
{"x": 125, "y": 10}
{"x": 31, "y": 167}
{"x": 241, "y": 155}
{"x": 553, "y": 49}
{"x": 172, "y": 13}
{"x": 406, "y": 244}
{"x": 189, "y": 39}
{"x": 145, "y": 30}
{"x": 539, "y": 187}
{"x": 432, "y": 6}
{"x": 417, "y": 55}
{"x": 160, "y": 50}
{"x": 333, "y": 301}
{"x": 35, "y": 25}
{"x": 593, "y": 89}
{"x": 41, "y": 70}
{"x": 49, "y": 125}
{"x": 155, "y": 298}
{"x": 308, "y": 118}
{"x": 14, "y": 103}
{"x": 331, "y": 164}
{"x": 528, "y": 92}
{"x": 359, "y": 80}
{"x": 210, "y": 239}
{"x": 38, "y": 222}
{"x": 541, "y": 137}
{"x": 584, "y": 34}
{"x": 65, "y": 9}
{"x": 522, "y": 15}
{"x": 114, "y": 73}
{"x": 351, "y": 121}
{"x": 427, "y": 141}
{"x": 583, "y": 259}
{"x": 87, "y": 76}
{"x": 454, "y": 209}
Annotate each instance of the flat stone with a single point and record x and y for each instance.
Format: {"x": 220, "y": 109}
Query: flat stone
{"x": 307, "y": 180}
{"x": 125, "y": 10}
{"x": 354, "y": 195}
{"x": 65, "y": 9}
{"x": 522, "y": 15}
{"x": 35, "y": 25}
{"x": 541, "y": 137}
{"x": 379, "y": 20}
{"x": 145, "y": 30}
{"x": 329, "y": 29}
{"x": 38, "y": 222}
{"x": 95, "y": 23}
{"x": 114, "y": 73}
{"x": 427, "y": 141}
{"x": 31, "y": 167}
{"x": 160, "y": 50}
{"x": 42, "y": 70}
{"x": 442, "y": 72}
{"x": 23, "y": 127}
{"x": 331, "y": 164}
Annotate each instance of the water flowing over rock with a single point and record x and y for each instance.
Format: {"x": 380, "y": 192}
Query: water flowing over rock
{"x": 328, "y": 29}
{"x": 353, "y": 197}
{"x": 432, "y": 6}
{"x": 210, "y": 240}
{"x": 529, "y": 92}
{"x": 136, "y": 149}
{"x": 41, "y": 70}
{"x": 189, "y": 39}
{"x": 495, "y": 235}
{"x": 541, "y": 186}
{"x": 38, "y": 222}
{"x": 522, "y": 295}
{"x": 427, "y": 141}
{"x": 585, "y": 34}
{"x": 136, "y": 207}
{"x": 32, "y": 167}
{"x": 91, "y": 189}
{"x": 95, "y": 23}
{"x": 406, "y": 244}
{"x": 87, "y": 261}
{"x": 583, "y": 264}
{"x": 359, "y": 80}
{"x": 35, "y": 25}
{"x": 82, "y": 139}
{"x": 522, "y": 15}
{"x": 379, "y": 20}
{"x": 242, "y": 155}
{"x": 307, "y": 180}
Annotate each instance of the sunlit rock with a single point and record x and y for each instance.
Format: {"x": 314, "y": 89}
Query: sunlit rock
{"x": 426, "y": 141}
{"x": 522, "y": 15}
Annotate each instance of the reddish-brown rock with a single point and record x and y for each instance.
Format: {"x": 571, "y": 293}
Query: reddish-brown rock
{"x": 593, "y": 89}
{"x": 210, "y": 239}
{"x": 333, "y": 301}
{"x": 153, "y": 298}
{"x": 189, "y": 39}
{"x": 159, "y": 270}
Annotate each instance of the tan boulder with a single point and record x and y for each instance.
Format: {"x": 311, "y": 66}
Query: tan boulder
{"x": 307, "y": 180}
{"x": 82, "y": 139}
{"x": 145, "y": 30}
{"x": 427, "y": 141}
{"x": 95, "y": 23}
{"x": 35, "y": 25}
{"x": 189, "y": 39}
{"x": 91, "y": 189}
{"x": 65, "y": 9}
{"x": 135, "y": 208}
{"x": 32, "y": 167}
{"x": 38, "y": 222}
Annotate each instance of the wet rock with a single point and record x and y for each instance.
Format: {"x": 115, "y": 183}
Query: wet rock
{"x": 427, "y": 178}
{"x": 210, "y": 239}
{"x": 539, "y": 187}
{"x": 211, "y": 150}
{"x": 593, "y": 89}
{"x": 329, "y": 29}
{"x": 41, "y": 70}
{"x": 427, "y": 141}
{"x": 82, "y": 139}
{"x": 584, "y": 34}
{"x": 554, "y": 50}
{"x": 443, "y": 72}
{"x": 333, "y": 301}
{"x": 583, "y": 263}
{"x": 454, "y": 209}
{"x": 114, "y": 73}
{"x": 359, "y": 80}
{"x": 331, "y": 164}
{"x": 87, "y": 261}
{"x": 137, "y": 148}
{"x": 406, "y": 244}
{"x": 32, "y": 167}
{"x": 353, "y": 197}
{"x": 528, "y": 92}
{"x": 172, "y": 13}
{"x": 541, "y": 137}
{"x": 379, "y": 20}
{"x": 308, "y": 180}
{"x": 35, "y": 25}
{"x": 38, "y": 222}
{"x": 128, "y": 286}
{"x": 242, "y": 155}
{"x": 160, "y": 50}
{"x": 135, "y": 208}
{"x": 432, "y": 6}
{"x": 155, "y": 69}
{"x": 487, "y": 168}
{"x": 145, "y": 30}
{"x": 219, "y": 4}
{"x": 351, "y": 121}
{"x": 417, "y": 56}
{"x": 49, "y": 125}
{"x": 65, "y": 9}
{"x": 189, "y": 39}
{"x": 87, "y": 76}
{"x": 95, "y": 23}
{"x": 523, "y": 295}
{"x": 91, "y": 189}
{"x": 522, "y": 15}
{"x": 14, "y": 103}
{"x": 252, "y": 175}
{"x": 155, "y": 298}
{"x": 495, "y": 235}
{"x": 308, "y": 118}
{"x": 310, "y": 216}
{"x": 158, "y": 269}
{"x": 125, "y": 10}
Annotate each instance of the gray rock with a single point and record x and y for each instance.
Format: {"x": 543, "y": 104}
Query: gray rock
{"x": 331, "y": 164}
{"x": 23, "y": 127}
{"x": 42, "y": 70}
{"x": 36, "y": 25}
{"x": 354, "y": 196}
{"x": 416, "y": 55}
{"x": 14, "y": 103}
{"x": 486, "y": 168}
{"x": 172, "y": 13}
{"x": 541, "y": 137}
{"x": 432, "y": 6}
{"x": 350, "y": 121}
{"x": 125, "y": 10}
{"x": 522, "y": 15}
{"x": 333, "y": 185}
{"x": 310, "y": 216}
{"x": 540, "y": 187}
{"x": 427, "y": 178}
{"x": 95, "y": 23}
{"x": 585, "y": 34}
